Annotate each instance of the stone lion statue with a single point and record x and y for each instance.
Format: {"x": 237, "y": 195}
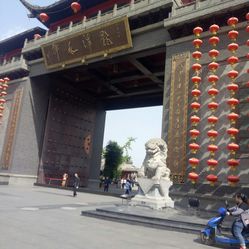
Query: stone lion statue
{"x": 154, "y": 164}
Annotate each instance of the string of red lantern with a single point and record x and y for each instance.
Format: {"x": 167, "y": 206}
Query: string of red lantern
{"x": 213, "y": 105}
{"x": 195, "y": 105}
{"x": 232, "y": 87}
{"x": 3, "y": 93}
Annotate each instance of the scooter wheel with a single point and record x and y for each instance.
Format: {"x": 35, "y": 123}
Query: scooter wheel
{"x": 206, "y": 240}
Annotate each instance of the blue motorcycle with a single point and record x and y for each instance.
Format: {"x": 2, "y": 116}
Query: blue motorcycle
{"x": 212, "y": 233}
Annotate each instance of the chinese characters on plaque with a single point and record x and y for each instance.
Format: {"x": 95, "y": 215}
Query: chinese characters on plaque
{"x": 98, "y": 41}
{"x": 177, "y": 133}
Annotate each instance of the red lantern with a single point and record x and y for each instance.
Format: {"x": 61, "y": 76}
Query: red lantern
{"x": 193, "y": 177}
{"x": 233, "y": 103}
{"x": 193, "y": 162}
{"x": 1, "y": 81}
{"x": 247, "y": 28}
{"x": 233, "y": 34}
{"x": 247, "y": 55}
{"x": 1, "y": 115}
{"x": 212, "y": 148}
{"x": 214, "y": 40}
{"x": 232, "y": 147}
{"x": 212, "y": 134}
{"x": 232, "y": 132}
{"x": 196, "y": 93}
{"x": 214, "y": 29}
{"x": 212, "y": 119}
{"x": 212, "y": 163}
{"x": 75, "y": 7}
{"x": 213, "y": 106}
{"x": 213, "y": 78}
{"x": 1, "y": 108}
{"x": 212, "y": 179}
{"x": 197, "y": 55}
{"x": 195, "y": 120}
{"x": 213, "y": 66}
{"x": 233, "y": 88}
{"x": 213, "y": 92}
{"x": 232, "y": 21}
{"x": 2, "y": 101}
{"x": 196, "y": 67}
{"x": 213, "y": 53}
{"x": 3, "y": 93}
{"x": 4, "y": 87}
{"x": 247, "y": 16}
{"x": 6, "y": 79}
{"x": 196, "y": 80}
{"x": 233, "y": 47}
{"x": 43, "y": 17}
{"x": 233, "y": 163}
{"x": 233, "y": 60}
{"x": 194, "y": 147}
{"x": 197, "y": 43}
{"x": 194, "y": 133}
{"x": 233, "y": 117}
{"x": 197, "y": 31}
{"x": 195, "y": 106}
{"x": 232, "y": 179}
{"x": 232, "y": 74}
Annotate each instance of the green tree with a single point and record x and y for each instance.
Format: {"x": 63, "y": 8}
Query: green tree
{"x": 126, "y": 147}
{"x": 113, "y": 155}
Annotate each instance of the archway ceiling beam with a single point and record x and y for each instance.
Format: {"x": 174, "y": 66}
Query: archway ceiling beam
{"x": 95, "y": 74}
{"x": 146, "y": 71}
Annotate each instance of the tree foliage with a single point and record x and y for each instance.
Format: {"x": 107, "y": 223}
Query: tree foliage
{"x": 126, "y": 147}
{"x": 113, "y": 155}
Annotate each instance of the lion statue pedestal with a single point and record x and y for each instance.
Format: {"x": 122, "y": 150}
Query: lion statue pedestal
{"x": 153, "y": 177}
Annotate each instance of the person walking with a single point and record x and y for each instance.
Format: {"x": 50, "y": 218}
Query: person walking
{"x": 106, "y": 184}
{"x": 76, "y": 184}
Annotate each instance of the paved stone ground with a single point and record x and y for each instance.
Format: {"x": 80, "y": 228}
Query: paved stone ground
{"x": 45, "y": 218}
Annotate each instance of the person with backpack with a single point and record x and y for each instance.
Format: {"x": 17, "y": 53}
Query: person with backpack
{"x": 238, "y": 211}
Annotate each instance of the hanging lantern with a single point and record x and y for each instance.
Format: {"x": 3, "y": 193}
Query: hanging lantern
{"x": 232, "y": 179}
{"x": 212, "y": 163}
{"x": 232, "y": 21}
{"x": 214, "y": 29}
{"x": 213, "y": 92}
{"x": 195, "y": 106}
{"x": 194, "y": 133}
{"x": 233, "y": 60}
{"x": 232, "y": 74}
{"x": 37, "y": 36}
{"x": 3, "y": 93}
{"x": 213, "y": 78}
{"x": 213, "y": 53}
{"x": 194, "y": 147}
{"x": 197, "y": 31}
{"x": 196, "y": 80}
{"x": 193, "y": 162}
{"x": 195, "y": 120}
{"x": 247, "y": 28}
{"x": 233, "y": 103}
{"x": 214, "y": 40}
{"x": 233, "y": 117}
{"x": 247, "y": 16}
{"x": 232, "y": 132}
{"x": 193, "y": 177}
{"x": 212, "y": 120}
{"x": 43, "y": 17}
{"x": 6, "y": 79}
{"x": 196, "y": 93}
{"x": 212, "y": 179}
{"x": 213, "y": 66}
{"x": 232, "y": 147}
{"x": 232, "y": 88}
{"x": 75, "y": 7}
{"x": 213, "y": 106}
{"x": 212, "y": 148}
{"x": 197, "y": 43}
{"x": 197, "y": 55}
{"x": 4, "y": 87}
{"x": 233, "y": 163}
{"x": 196, "y": 67}
{"x": 233, "y": 34}
{"x": 1, "y": 108}
{"x": 2, "y": 101}
{"x": 212, "y": 134}
{"x": 232, "y": 47}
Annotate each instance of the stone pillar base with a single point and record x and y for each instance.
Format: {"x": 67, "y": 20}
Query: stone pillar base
{"x": 15, "y": 179}
{"x": 153, "y": 194}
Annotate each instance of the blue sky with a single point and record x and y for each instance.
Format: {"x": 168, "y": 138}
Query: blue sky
{"x": 140, "y": 123}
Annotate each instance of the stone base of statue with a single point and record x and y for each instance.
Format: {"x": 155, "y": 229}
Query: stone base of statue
{"x": 153, "y": 194}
